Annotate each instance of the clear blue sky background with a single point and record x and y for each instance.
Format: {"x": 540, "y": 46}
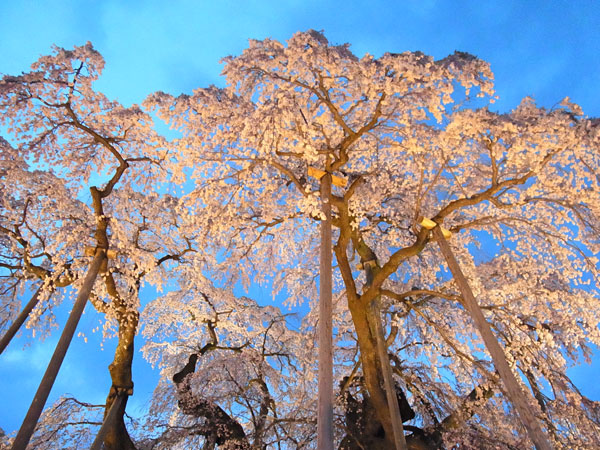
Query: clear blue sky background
{"x": 541, "y": 48}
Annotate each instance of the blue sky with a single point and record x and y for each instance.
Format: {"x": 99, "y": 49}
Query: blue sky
{"x": 544, "y": 49}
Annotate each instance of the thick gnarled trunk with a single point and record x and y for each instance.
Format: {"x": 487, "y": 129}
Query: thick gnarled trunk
{"x": 363, "y": 319}
{"x": 367, "y": 343}
{"x": 219, "y": 428}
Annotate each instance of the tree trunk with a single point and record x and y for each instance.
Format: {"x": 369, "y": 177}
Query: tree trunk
{"x": 367, "y": 344}
{"x": 108, "y": 419}
{"x": 117, "y": 437}
{"x": 363, "y": 320}
{"x": 388, "y": 380}
{"x": 219, "y": 428}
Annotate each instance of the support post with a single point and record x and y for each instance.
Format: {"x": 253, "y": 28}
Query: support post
{"x": 325, "y": 395}
{"x": 515, "y": 394}
{"x": 384, "y": 362}
{"x": 39, "y": 401}
{"x": 110, "y": 417}
{"x": 20, "y": 320}
{"x": 388, "y": 380}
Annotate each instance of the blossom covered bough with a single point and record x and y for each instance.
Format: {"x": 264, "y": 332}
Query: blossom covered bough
{"x": 524, "y": 181}
{"x": 70, "y": 139}
{"x": 231, "y": 200}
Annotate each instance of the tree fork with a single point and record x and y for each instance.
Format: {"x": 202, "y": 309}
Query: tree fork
{"x": 39, "y": 400}
{"x": 373, "y": 349}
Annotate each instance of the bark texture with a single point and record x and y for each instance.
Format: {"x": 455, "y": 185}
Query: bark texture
{"x": 117, "y": 437}
{"x": 219, "y": 428}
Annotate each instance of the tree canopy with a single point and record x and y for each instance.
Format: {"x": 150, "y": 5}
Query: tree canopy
{"x": 228, "y": 200}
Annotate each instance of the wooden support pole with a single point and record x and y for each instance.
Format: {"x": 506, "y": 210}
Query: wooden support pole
{"x": 325, "y": 396}
{"x": 39, "y": 401}
{"x": 388, "y": 380}
{"x": 384, "y": 362}
{"x": 515, "y": 394}
{"x": 20, "y": 320}
{"x": 110, "y": 417}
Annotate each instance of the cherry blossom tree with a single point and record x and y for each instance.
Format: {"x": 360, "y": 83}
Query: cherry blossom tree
{"x": 234, "y": 373}
{"x": 68, "y": 138}
{"x": 412, "y": 137}
{"x": 232, "y": 200}
{"x": 26, "y": 248}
